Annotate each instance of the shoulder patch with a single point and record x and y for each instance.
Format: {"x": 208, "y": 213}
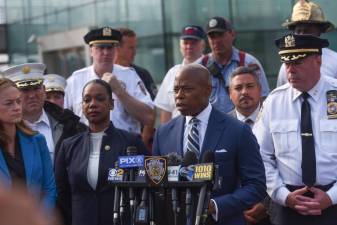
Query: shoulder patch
{"x": 281, "y": 88}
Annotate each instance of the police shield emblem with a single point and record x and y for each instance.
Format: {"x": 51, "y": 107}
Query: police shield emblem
{"x": 331, "y": 97}
{"x": 156, "y": 169}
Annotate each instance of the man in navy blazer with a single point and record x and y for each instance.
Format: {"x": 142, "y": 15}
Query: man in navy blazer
{"x": 235, "y": 147}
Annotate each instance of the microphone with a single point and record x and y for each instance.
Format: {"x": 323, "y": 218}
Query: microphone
{"x": 142, "y": 211}
{"x": 204, "y": 194}
{"x": 174, "y": 161}
{"x": 190, "y": 158}
{"x": 116, "y": 202}
{"x": 131, "y": 151}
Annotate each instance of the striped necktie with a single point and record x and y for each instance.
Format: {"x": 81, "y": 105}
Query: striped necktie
{"x": 193, "y": 137}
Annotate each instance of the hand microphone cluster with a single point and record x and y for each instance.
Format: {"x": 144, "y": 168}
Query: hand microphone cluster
{"x": 128, "y": 168}
{"x": 132, "y": 187}
{"x": 188, "y": 171}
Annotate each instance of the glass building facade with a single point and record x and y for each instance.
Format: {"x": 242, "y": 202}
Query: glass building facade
{"x": 156, "y": 22}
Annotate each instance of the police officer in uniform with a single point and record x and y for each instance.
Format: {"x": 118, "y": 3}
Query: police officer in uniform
{"x": 132, "y": 102}
{"x": 297, "y": 131}
{"x": 54, "y": 86}
{"x": 308, "y": 18}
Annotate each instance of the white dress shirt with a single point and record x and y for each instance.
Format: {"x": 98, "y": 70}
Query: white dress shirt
{"x": 277, "y": 130}
{"x": 42, "y": 125}
{"x": 203, "y": 117}
{"x": 252, "y": 116}
{"x": 129, "y": 79}
{"x": 93, "y": 163}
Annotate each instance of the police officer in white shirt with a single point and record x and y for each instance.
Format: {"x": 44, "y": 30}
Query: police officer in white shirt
{"x": 132, "y": 103}
{"x": 308, "y": 18}
{"x": 192, "y": 44}
{"x": 297, "y": 133}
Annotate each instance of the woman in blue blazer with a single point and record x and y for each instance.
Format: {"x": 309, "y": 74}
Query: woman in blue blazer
{"x": 24, "y": 156}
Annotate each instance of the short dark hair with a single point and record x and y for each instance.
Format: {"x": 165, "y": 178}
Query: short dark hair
{"x": 100, "y": 82}
{"x": 252, "y": 70}
{"x": 127, "y": 32}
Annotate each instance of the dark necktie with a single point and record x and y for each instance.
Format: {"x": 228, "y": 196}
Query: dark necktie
{"x": 249, "y": 122}
{"x": 193, "y": 137}
{"x": 308, "y": 144}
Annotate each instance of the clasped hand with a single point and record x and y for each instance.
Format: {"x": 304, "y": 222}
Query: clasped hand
{"x": 308, "y": 205}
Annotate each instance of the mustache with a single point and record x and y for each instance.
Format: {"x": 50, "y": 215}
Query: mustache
{"x": 245, "y": 97}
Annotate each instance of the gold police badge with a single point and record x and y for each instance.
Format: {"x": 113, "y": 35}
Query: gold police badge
{"x": 331, "y": 97}
{"x": 26, "y": 69}
{"x": 107, "y": 31}
{"x": 289, "y": 41}
{"x": 156, "y": 169}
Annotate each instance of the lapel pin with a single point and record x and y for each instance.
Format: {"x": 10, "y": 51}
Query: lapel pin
{"x": 107, "y": 148}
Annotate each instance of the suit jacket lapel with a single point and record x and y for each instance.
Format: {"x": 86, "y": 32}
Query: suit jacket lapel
{"x": 108, "y": 155}
{"x": 216, "y": 124}
{"x": 28, "y": 154}
{"x": 178, "y": 131}
{"x": 4, "y": 168}
{"x": 57, "y": 129}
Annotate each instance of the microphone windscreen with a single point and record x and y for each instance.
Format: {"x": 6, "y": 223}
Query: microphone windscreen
{"x": 208, "y": 157}
{"x": 190, "y": 158}
{"x": 173, "y": 159}
{"x": 131, "y": 150}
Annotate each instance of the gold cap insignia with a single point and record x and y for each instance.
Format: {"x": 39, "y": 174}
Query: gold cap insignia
{"x": 289, "y": 41}
{"x": 107, "y": 31}
{"x": 26, "y": 69}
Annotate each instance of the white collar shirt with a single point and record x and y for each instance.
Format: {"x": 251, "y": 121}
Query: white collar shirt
{"x": 42, "y": 125}
{"x": 119, "y": 116}
{"x": 277, "y": 130}
{"x": 203, "y": 117}
{"x": 252, "y": 116}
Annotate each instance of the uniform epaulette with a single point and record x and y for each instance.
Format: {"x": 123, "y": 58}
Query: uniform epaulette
{"x": 281, "y": 88}
{"x": 331, "y": 81}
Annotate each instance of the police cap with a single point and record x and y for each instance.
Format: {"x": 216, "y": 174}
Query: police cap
{"x": 26, "y": 75}
{"x": 103, "y": 36}
{"x": 294, "y": 47}
{"x": 54, "y": 82}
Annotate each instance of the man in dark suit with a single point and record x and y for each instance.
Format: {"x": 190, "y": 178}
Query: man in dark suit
{"x": 245, "y": 93}
{"x": 202, "y": 127}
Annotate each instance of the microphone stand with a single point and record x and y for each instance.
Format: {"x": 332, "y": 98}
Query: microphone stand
{"x": 151, "y": 206}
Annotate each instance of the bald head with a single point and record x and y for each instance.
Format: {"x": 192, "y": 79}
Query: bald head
{"x": 197, "y": 72}
{"x": 192, "y": 88}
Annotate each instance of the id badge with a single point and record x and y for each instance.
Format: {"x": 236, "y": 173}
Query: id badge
{"x": 331, "y": 97}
